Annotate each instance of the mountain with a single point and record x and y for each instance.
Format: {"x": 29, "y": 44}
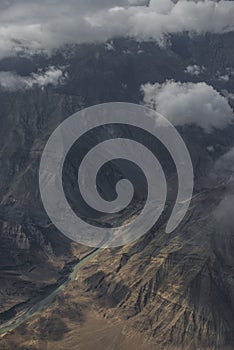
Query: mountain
{"x": 164, "y": 291}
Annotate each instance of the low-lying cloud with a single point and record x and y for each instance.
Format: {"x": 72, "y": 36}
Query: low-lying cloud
{"x": 189, "y": 103}
{"x": 195, "y": 70}
{"x": 224, "y": 167}
{"x": 223, "y": 214}
{"x": 48, "y": 24}
{"x": 10, "y": 81}
{"x": 223, "y": 171}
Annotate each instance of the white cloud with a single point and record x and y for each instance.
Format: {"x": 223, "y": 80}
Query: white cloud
{"x": 162, "y": 6}
{"x": 228, "y": 95}
{"x": 225, "y": 165}
{"x": 50, "y": 24}
{"x": 138, "y": 2}
{"x": 230, "y": 71}
{"x": 224, "y": 214}
{"x": 188, "y": 103}
{"x": 11, "y": 81}
{"x": 195, "y": 70}
{"x": 224, "y": 78}
{"x": 223, "y": 170}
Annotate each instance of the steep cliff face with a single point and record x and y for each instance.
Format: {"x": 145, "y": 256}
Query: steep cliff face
{"x": 33, "y": 254}
{"x": 22, "y": 250}
{"x": 177, "y": 290}
{"x": 166, "y": 291}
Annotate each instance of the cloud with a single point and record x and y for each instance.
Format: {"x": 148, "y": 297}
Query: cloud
{"x": 224, "y": 167}
{"x": 224, "y": 78}
{"x": 229, "y": 74}
{"x": 11, "y": 81}
{"x": 189, "y": 103}
{"x": 138, "y": 2}
{"x": 195, "y": 70}
{"x": 223, "y": 173}
{"x": 48, "y": 24}
{"x": 224, "y": 214}
{"x": 162, "y": 6}
{"x": 228, "y": 95}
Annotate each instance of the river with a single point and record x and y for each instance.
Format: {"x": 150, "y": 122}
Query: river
{"x": 40, "y": 305}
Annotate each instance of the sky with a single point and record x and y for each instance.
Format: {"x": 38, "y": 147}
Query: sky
{"x": 49, "y": 24}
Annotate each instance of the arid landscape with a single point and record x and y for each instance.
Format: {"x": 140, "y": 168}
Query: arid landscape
{"x": 164, "y": 290}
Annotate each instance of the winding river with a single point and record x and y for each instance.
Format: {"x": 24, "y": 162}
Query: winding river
{"x": 40, "y": 305}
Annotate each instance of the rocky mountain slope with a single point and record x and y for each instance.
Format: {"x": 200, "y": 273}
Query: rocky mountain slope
{"x": 176, "y": 290}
